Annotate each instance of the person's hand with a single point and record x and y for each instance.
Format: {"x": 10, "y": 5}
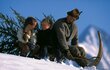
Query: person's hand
{"x": 75, "y": 51}
{"x": 68, "y": 54}
{"x": 26, "y": 37}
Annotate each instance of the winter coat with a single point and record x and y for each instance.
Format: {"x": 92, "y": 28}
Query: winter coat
{"x": 66, "y": 33}
{"x": 31, "y": 39}
{"x": 26, "y": 45}
{"x": 44, "y": 37}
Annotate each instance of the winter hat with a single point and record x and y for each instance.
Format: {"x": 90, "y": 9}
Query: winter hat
{"x": 74, "y": 13}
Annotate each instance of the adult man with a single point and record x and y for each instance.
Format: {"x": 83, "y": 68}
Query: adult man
{"x": 67, "y": 38}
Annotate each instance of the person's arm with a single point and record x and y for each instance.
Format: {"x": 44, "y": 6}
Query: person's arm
{"x": 60, "y": 30}
{"x": 74, "y": 41}
{"x": 20, "y": 36}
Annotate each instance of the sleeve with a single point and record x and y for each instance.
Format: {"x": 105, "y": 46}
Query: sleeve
{"x": 20, "y": 36}
{"x": 60, "y": 30}
{"x": 74, "y": 41}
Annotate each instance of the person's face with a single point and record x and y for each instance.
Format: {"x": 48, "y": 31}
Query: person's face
{"x": 45, "y": 25}
{"x": 70, "y": 19}
{"x": 32, "y": 26}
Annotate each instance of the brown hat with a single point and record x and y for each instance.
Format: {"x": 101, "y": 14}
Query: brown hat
{"x": 74, "y": 13}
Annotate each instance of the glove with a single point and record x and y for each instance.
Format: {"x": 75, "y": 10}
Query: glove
{"x": 68, "y": 55}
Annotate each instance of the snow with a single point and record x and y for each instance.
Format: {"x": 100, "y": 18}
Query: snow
{"x": 12, "y": 62}
{"x": 91, "y": 46}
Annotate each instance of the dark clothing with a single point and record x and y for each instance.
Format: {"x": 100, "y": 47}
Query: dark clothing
{"x": 24, "y": 48}
{"x": 44, "y": 38}
{"x": 27, "y": 50}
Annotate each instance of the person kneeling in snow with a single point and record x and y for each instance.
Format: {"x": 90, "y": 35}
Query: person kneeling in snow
{"x": 27, "y": 38}
{"x": 44, "y": 38}
{"x": 67, "y": 38}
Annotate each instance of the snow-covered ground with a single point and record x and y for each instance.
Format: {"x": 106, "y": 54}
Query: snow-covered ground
{"x": 12, "y": 62}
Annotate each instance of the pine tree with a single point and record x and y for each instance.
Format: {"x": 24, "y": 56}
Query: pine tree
{"x": 8, "y": 32}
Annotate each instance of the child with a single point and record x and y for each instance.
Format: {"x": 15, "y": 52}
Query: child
{"x": 27, "y": 38}
{"x": 45, "y": 38}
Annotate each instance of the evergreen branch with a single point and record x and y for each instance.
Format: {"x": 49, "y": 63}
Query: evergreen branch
{"x": 20, "y": 18}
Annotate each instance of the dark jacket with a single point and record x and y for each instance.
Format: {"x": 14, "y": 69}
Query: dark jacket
{"x": 66, "y": 33}
{"x": 44, "y": 37}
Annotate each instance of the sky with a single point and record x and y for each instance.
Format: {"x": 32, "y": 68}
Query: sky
{"x": 95, "y": 12}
